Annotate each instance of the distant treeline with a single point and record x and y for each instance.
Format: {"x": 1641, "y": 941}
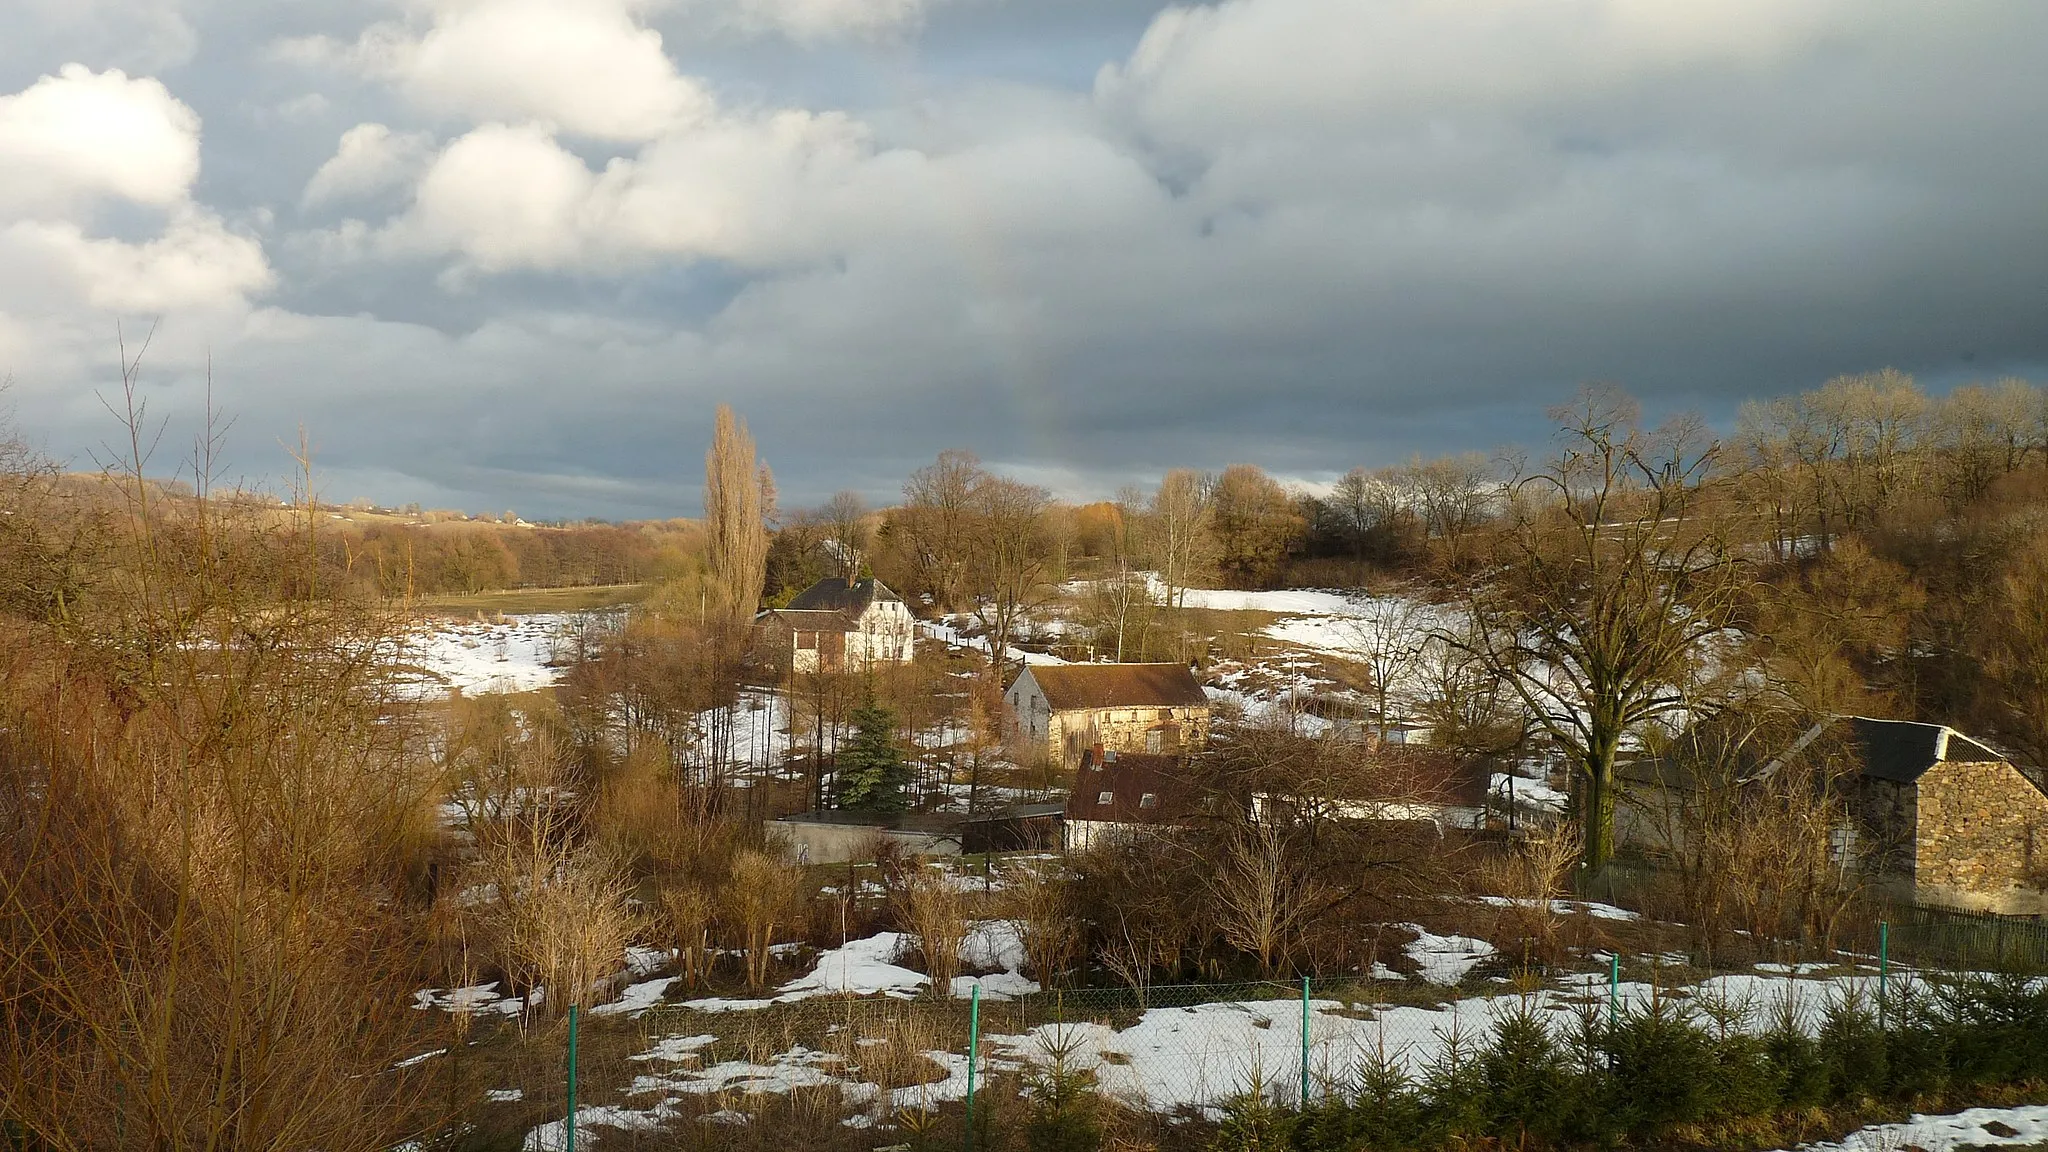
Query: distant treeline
{"x": 473, "y": 556}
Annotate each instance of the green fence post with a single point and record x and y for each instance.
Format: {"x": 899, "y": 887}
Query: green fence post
{"x": 570, "y": 1144}
{"x": 973, "y": 1048}
{"x": 1304, "y": 1043}
{"x": 1884, "y": 969}
{"x": 1614, "y": 990}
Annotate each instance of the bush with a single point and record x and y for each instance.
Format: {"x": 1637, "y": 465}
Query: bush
{"x": 1523, "y": 1076}
{"x": 1065, "y": 1112}
{"x": 1662, "y": 1065}
{"x": 1386, "y": 1112}
{"x": 1852, "y": 1049}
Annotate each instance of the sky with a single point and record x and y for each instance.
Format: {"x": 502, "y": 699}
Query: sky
{"x": 510, "y": 254}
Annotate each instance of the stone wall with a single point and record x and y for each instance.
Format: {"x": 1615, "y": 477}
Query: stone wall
{"x": 1981, "y": 837}
{"x": 1126, "y": 730}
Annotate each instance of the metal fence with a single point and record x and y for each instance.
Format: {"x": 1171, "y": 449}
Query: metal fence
{"x": 1172, "y": 1053}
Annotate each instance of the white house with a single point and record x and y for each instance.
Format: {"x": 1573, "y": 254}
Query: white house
{"x": 835, "y": 625}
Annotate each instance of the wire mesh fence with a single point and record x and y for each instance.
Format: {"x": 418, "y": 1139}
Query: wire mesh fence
{"x": 846, "y": 1069}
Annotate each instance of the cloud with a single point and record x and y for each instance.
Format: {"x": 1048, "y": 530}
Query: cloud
{"x": 752, "y": 190}
{"x": 586, "y": 66}
{"x": 1310, "y": 233}
{"x": 815, "y": 20}
{"x": 370, "y": 159}
{"x": 80, "y": 136}
{"x": 136, "y": 35}
{"x": 194, "y": 263}
{"x": 74, "y": 147}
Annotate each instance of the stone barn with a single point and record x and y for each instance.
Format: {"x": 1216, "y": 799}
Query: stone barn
{"x": 1065, "y": 709}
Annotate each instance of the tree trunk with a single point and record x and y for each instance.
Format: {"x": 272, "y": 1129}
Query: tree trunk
{"x": 1596, "y": 811}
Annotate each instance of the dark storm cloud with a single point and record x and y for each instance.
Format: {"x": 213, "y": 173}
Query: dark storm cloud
{"x": 1088, "y": 241}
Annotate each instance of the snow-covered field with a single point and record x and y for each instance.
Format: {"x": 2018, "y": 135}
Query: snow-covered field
{"x": 516, "y": 654}
{"x": 1197, "y": 1057}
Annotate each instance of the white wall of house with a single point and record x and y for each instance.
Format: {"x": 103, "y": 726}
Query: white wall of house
{"x": 1030, "y": 711}
{"x": 1082, "y": 835}
{"x": 886, "y": 633}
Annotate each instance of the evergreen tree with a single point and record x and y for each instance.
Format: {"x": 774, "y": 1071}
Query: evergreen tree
{"x": 872, "y": 774}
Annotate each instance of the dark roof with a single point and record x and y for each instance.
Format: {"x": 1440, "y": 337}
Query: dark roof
{"x": 1902, "y": 751}
{"x": 1072, "y": 686}
{"x": 818, "y": 620}
{"x": 1127, "y": 778}
{"x": 836, "y": 595}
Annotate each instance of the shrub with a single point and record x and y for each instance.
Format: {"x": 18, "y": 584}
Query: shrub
{"x": 1065, "y": 1114}
{"x": 1852, "y": 1048}
{"x": 1523, "y": 1075}
{"x": 1661, "y": 1067}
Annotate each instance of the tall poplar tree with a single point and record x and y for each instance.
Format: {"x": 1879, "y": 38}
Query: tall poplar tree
{"x": 736, "y": 498}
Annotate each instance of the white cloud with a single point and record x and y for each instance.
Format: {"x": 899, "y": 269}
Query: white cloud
{"x": 812, "y": 20}
{"x": 1233, "y": 70}
{"x": 755, "y": 191}
{"x": 370, "y": 159}
{"x": 504, "y": 196}
{"x": 194, "y": 263}
{"x": 69, "y": 144}
{"x": 79, "y": 136}
{"x": 587, "y": 66}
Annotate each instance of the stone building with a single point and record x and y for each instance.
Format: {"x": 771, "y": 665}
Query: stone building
{"x": 1944, "y": 816}
{"x": 1932, "y": 815}
{"x": 1065, "y": 709}
{"x": 837, "y": 625}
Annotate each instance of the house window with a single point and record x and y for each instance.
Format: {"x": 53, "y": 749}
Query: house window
{"x": 1105, "y": 797}
{"x": 1148, "y": 800}
{"x": 807, "y": 641}
{"x": 1155, "y": 741}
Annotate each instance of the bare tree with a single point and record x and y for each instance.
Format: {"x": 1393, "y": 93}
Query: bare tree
{"x": 736, "y": 499}
{"x": 1009, "y": 550}
{"x": 847, "y": 516}
{"x": 1613, "y": 591}
{"x": 1253, "y": 524}
{"x": 936, "y": 523}
{"x": 1453, "y": 496}
{"x": 1390, "y": 640}
{"x": 1179, "y": 523}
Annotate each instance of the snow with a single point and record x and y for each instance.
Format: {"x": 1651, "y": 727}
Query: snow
{"x": 864, "y": 967}
{"x": 1196, "y": 1057}
{"x": 422, "y": 1058}
{"x": 1445, "y": 959}
{"x": 946, "y": 633}
{"x": 476, "y": 998}
{"x": 1529, "y": 795}
{"x": 676, "y": 1049}
{"x": 515, "y": 654}
{"x": 867, "y": 967}
{"x": 1593, "y": 908}
{"x": 636, "y": 998}
{"x": 1943, "y": 1133}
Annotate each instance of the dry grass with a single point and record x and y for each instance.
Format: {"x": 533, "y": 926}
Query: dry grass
{"x": 936, "y": 913}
